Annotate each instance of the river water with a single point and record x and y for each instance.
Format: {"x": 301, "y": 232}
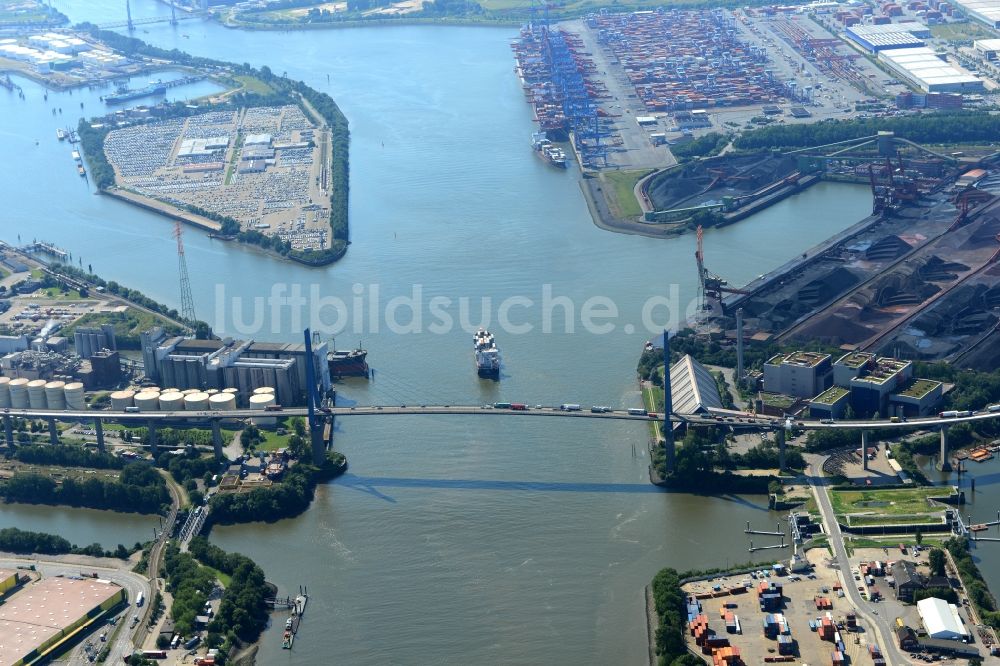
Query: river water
{"x": 449, "y": 540}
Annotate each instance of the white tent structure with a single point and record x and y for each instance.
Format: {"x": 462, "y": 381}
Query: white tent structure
{"x": 941, "y": 619}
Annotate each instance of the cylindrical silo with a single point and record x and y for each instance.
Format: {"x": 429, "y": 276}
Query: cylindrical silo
{"x": 223, "y": 402}
{"x": 54, "y": 396}
{"x": 234, "y": 391}
{"x": 196, "y": 402}
{"x": 4, "y": 391}
{"x": 171, "y": 402}
{"x": 19, "y": 393}
{"x": 147, "y": 401}
{"x": 190, "y": 391}
{"x": 36, "y": 394}
{"x": 121, "y": 399}
{"x": 259, "y": 402}
{"x": 212, "y": 392}
{"x": 264, "y": 389}
{"x": 73, "y": 394}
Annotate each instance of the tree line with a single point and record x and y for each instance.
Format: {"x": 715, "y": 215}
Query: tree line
{"x": 243, "y": 612}
{"x": 14, "y": 540}
{"x": 139, "y": 489}
{"x": 945, "y": 127}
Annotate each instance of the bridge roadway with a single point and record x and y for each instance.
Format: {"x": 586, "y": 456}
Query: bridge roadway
{"x": 728, "y": 417}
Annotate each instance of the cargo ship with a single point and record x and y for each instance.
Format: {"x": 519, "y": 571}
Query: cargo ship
{"x": 548, "y": 151}
{"x": 348, "y": 363}
{"x": 487, "y": 354}
{"x": 126, "y": 94}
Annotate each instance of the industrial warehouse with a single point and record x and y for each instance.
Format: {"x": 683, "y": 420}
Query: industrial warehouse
{"x": 40, "y": 616}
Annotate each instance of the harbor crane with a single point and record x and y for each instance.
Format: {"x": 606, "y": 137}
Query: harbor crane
{"x": 711, "y": 286}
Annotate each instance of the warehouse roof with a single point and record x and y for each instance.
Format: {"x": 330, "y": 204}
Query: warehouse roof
{"x": 941, "y": 619}
{"x": 926, "y": 68}
{"x": 693, "y": 387}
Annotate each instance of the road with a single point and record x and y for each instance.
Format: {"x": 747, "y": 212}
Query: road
{"x": 730, "y": 417}
{"x": 133, "y": 583}
{"x": 866, "y": 611}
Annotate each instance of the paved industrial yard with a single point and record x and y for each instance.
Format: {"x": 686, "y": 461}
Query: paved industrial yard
{"x": 266, "y": 167}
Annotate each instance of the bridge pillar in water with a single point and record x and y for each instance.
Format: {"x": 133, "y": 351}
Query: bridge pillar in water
{"x": 53, "y": 432}
{"x": 864, "y": 450}
{"x": 99, "y": 429}
{"x": 8, "y": 429}
{"x": 151, "y": 428}
{"x": 943, "y": 463}
{"x": 780, "y": 434}
{"x": 217, "y": 438}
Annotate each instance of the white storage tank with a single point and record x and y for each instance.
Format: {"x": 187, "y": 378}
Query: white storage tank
{"x": 262, "y": 401}
{"x": 222, "y": 402}
{"x": 55, "y": 396}
{"x": 122, "y": 399}
{"x": 196, "y": 402}
{"x": 4, "y": 391}
{"x": 73, "y": 394}
{"x": 264, "y": 390}
{"x": 171, "y": 402}
{"x": 190, "y": 391}
{"x": 212, "y": 391}
{"x": 147, "y": 401}
{"x": 36, "y": 394}
{"x": 18, "y": 393}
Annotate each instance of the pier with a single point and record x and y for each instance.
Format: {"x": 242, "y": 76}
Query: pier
{"x": 750, "y": 531}
{"x": 754, "y": 549}
{"x": 42, "y": 247}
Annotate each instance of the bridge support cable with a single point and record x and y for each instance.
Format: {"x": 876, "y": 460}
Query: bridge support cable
{"x": 864, "y": 450}
{"x": 217, "y": 438}
{"x": 151, "y": 436}
{"x": 668, "y": 408}
{"x": 99, "y": 430}
{"x": 780, "y": 436}
{"x": 943, "y": 463}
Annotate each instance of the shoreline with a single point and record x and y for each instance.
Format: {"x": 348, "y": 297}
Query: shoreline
{"x": 365, "y": 23}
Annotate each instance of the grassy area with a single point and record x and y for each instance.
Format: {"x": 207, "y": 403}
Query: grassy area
{"x": 57, "y": 293}
{"x": 622, "y": 184}
{"x": 898, "y": 502}
{"x": 273, "y": 441}
{"x": 961, "y": 32}
{"x": 889, "y": 520}
{"x": 254, "y": 85}
{"x": 223, "y": 578}
{"x": 893, "y": 542}
{"x": 37, "y": 273}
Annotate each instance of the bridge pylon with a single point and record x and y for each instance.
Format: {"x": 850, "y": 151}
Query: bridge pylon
{"x": 668, "y": 409}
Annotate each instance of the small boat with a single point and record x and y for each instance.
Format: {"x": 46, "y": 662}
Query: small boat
{"x": 80, "y": 170}
{"x": 60, "y": 133}
{"x": 76, "y": 155}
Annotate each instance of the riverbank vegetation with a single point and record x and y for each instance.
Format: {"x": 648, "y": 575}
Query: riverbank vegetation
{"x": 66, "y": 456}
{"x": 972, "y": 579}
{"x": 269, "y": 89}
{"x": 671, "y": 608}
{"x": 703, "y": 462}
{"x": 14, "y": 540}
{"x": 284, "y": 499}
{"x": 191, "y": 578}
{"x": 138, "y": 489}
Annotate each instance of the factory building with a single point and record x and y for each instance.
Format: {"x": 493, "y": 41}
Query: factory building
{"x": 870, "y": 392}
{"x": 989, "y": 48}
{"x": 830, "y": 404}
{"x": 87, "y": 341}
{"x": 799, "y": 374}
{"x": 12, "y": 343}
{"x": 875, "y": 38}
{"x": 39, "y": 618}
{"x": 923, "y": 68}
{"x": 986, "y": 11}
{"x": 244, "y": 364}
